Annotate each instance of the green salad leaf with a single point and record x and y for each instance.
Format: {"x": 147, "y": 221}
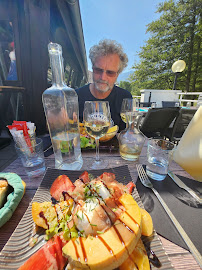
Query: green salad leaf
{"x": 87, "y": 142}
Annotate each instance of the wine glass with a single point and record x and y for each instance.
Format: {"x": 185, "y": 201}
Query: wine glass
{"x": 97, "y": 118}
{"x": 129, "y": 110}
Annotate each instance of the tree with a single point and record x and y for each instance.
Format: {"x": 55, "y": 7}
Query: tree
{"x": 126, "y": 85}
{"x": 175, "y": 35}
{"x": 130, "y": 87}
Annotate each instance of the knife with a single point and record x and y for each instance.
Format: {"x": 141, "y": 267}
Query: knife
{"x": 182, "y": 185}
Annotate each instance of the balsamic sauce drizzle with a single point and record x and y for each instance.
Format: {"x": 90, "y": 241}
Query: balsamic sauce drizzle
{"x": 81, "y": 179}
{"x": 132, "y": 218}
{"x": 64, "y": 193}
{"x": 41, "y": 214}
{"x": 106, "y": 245}
{"x": 119, "y": 236}
{"x": 98, "y": 198}
{"x": 76, "y": 250}
{"x": 83, "y": 250}
{"x": 126, "y": 226}
{"x": 109, "y": 192}
{"x": 56, "y": 213}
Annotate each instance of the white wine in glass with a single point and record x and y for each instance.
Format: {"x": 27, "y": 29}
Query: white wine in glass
{"x": 129, "y": 110}
{"x": 97, "y": 128}
{"x": 97, "y": 119}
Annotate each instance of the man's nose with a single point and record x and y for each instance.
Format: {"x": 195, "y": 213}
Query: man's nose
{"x": 104, "y": 76}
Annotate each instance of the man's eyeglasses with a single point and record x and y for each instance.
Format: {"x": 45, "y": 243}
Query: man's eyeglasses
{"x": 109, "y": 73}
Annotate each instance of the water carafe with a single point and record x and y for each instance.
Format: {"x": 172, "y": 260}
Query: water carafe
{"x": 62, "y": 114}
{"x": 131, "y": 139}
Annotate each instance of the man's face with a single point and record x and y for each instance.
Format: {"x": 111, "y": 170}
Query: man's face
{"x": 105, "y": 72}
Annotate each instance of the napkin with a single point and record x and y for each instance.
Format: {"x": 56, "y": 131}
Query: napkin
{"x": 13, "y": 198}
{"x": 181, "y": 204}
{"x": 189, "y": 150}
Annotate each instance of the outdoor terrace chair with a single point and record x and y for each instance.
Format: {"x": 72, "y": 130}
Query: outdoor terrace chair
{"x": 157, "y": 121}
{"x": 145, "y": 104}
{"x": 166, "y": 104}
{"x": 175, "y": 133}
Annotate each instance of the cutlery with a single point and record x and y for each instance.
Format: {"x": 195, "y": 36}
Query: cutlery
{"x": 182, "y": 185}
{"x": 146, "y": 182}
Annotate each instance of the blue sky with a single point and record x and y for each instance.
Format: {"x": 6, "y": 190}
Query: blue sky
{"x": 122, "y": 20}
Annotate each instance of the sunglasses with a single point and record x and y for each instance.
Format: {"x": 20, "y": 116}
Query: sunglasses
{"x": 109, "y": 73}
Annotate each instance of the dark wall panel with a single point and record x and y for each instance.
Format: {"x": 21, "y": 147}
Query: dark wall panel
{"x": 35, "y": 27}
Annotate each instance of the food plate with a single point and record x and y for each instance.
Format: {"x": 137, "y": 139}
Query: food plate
{"x": 17, "y": 249}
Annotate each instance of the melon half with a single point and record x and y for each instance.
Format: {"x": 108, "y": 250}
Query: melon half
{"x": 110, "y": 249}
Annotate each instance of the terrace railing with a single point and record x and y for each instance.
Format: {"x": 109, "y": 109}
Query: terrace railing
{"x": 183, "y": 94}
{"x": 183, "y": 99}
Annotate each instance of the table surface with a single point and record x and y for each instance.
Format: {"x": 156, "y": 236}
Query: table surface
{"x": 179, "y": 257}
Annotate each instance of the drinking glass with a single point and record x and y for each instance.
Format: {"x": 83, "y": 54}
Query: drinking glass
{"x": 32, "y": 157}
{"x": 159, "y": 155}
{"x": 129, "y": 110}
{"x": 97, "y": 119}
{"x": 188, "y": 104}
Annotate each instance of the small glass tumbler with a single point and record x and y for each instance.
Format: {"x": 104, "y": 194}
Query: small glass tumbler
{"x": 159, "y": 154}
{"x": 177, "y": 104}
{"x": 32, "y": 157}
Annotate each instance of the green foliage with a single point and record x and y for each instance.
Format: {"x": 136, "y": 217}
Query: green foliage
{"x": 126, "y": 85}
{"x": 175, "y": 35}
{"x": 130, "y": 87}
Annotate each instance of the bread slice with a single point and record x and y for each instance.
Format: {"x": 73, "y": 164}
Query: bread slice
{"x": 3, "y": 191}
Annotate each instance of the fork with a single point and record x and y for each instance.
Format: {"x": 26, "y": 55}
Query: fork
{"x": 147, "y": 183}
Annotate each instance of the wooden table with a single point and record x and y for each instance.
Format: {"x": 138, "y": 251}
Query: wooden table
{"x": 180, "y": 258}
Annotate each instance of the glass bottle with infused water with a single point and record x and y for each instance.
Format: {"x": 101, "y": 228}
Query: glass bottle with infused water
{"x": 62, "y": 114}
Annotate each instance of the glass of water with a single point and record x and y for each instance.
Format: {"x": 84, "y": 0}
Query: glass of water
{"x": 32, "y": 157}
{"x": 159, "y": 154}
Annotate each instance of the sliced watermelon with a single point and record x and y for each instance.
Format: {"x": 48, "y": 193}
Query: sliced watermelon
{"x": 130, "y": 187}
{"x": 108, "y": 177}
{"x": 61, "y": 183}
{"x": 47, "y": 257}
{"x": 85, "y": 177}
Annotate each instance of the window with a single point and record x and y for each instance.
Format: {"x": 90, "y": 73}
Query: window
{"x": 8, "y": 68}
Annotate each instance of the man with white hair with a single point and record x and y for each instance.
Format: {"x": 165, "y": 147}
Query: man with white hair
{"x": 108, "y": 61}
